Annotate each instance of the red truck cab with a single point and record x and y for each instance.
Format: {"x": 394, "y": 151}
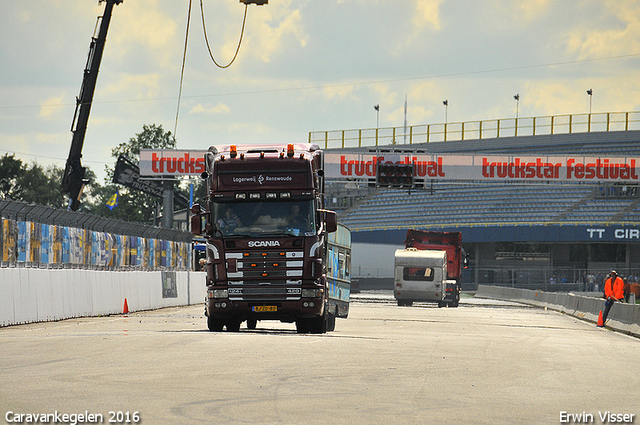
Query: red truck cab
{"x": 451, "y": 242}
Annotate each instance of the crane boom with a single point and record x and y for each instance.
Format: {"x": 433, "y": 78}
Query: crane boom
{"x": 73, "y": 180}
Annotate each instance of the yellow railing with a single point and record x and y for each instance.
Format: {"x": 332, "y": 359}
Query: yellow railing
{"x": 472, "y": 130}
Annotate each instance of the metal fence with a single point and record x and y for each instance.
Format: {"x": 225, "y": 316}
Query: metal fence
{"x": 33, "y": 235}
{"x": 537, "y": 278}
{"x": 496, "y": 128}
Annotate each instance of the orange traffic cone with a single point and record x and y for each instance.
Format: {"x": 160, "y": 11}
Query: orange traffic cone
{"x": 125, "y": 309}
{"x": 600, "y": 322}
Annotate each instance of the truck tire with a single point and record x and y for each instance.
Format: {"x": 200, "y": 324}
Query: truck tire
{"x": 318, "y": 325}
{"x": 302, "y": 326}
{"x": 233, "y": 325}
{"x": 331, "y": 322}
{"x": 214, "y": 325}
{"x": 252, "y": 323}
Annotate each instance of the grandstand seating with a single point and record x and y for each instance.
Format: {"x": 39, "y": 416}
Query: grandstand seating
{"x": 451, "y": 204}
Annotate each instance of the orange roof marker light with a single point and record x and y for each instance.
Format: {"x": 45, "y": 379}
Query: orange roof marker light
{"x": 233, "y": 151}
{"x": 290, "y": 150}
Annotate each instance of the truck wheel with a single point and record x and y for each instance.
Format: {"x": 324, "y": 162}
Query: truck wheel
{"x": 252, "y": 323}
{"x": 302, "y": 326}
{"x": 233, "y": 325}
{"x": 318, "y": 325}
{"x": 214, "y": 325}
{"x": 331, "y": 322}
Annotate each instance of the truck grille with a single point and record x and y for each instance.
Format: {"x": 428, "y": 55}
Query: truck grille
{"x": 265, "y": 275}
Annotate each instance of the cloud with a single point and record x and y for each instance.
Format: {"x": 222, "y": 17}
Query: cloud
{"x": 50, "y": 107}
{"x": 145, "y": 27}
{"x": 208, "y": 109}
{"x": 127, "y": 86}
{"x": 617, "y": 32}
{"x": 271, "y": 29}
{"x": 426, "y": 14}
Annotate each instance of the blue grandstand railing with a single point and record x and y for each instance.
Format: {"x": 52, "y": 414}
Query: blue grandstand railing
{"x": 471, "y": 130}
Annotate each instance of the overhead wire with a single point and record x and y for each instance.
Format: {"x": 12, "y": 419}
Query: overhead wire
{"x": 184, "y": 60}
{"x": 206, "y": 39}
{"x": 347, "y": 84}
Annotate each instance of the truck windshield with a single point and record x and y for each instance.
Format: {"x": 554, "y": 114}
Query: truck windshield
{"x": 259, "y": 218}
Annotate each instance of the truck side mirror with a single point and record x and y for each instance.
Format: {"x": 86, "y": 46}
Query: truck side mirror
{"x": 196, "y": 220}
{"x": 331, "y": 221}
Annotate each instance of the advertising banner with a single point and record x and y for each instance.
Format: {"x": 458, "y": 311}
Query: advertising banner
{"x": 24, "y": 240}
{"x": 128, "y": 174}
{"x": 9, "y": 241}
{"x": 46, "y": 256}
{"x": 489, "y": 167}
{"x": 171, "y": 162}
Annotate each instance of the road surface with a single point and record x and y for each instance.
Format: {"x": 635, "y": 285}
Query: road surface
{"x": 486, "y": 362}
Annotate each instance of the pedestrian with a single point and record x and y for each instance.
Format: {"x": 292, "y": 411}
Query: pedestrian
{"x": 613, "y": 291}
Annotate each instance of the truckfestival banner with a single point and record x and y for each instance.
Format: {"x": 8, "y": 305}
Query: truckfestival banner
{"x": 489, "y": 167}
{"x": 162, "y": 162}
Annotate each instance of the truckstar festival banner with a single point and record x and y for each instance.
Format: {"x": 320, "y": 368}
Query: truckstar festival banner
{"x": 163, "y": 162}
{"x": 483, "y": 167}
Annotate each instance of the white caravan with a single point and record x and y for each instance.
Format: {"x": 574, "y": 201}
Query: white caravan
{"x": 420, "y": 275}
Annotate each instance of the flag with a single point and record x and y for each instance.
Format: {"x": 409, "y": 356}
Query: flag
{"x": 113, "y": 201}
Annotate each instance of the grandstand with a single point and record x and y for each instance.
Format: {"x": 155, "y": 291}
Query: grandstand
{"x": 559, "y": 217}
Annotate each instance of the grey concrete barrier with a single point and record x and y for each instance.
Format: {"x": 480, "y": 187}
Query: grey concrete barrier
{"x": 622, "y": 317}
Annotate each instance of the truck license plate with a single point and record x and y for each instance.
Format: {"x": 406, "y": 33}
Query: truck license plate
{"x": 263, "y": 308}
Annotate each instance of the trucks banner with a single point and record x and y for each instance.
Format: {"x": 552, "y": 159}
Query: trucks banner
{"x": 158, "y": 162}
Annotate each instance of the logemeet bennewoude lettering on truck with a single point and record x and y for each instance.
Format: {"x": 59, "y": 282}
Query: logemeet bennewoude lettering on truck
{"x": 273, "y": 251}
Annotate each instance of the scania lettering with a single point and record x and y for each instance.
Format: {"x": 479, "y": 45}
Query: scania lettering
{"x": 263, "y": 243}
{"x": 273, "y": 251}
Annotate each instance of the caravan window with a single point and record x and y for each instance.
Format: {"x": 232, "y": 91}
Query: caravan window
{"x": 418, "y": 273}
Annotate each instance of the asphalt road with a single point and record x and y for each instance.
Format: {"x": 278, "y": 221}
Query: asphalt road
{"x": 486, "y": 362}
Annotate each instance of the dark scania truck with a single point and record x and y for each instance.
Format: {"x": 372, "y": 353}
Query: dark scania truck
{"x": 269, "y": 251}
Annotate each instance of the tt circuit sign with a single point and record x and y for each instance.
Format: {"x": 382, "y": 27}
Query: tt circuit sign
{"x": 613, "y": 234}
{"x": 481, "y": 167}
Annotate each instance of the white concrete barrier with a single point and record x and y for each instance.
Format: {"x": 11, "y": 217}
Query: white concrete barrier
{"x": 622, "y": 317}
{"x": 36, "y": 295}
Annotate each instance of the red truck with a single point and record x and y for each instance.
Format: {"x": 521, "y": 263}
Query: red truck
{"x": 268, "y": 251}
{"x": 457, "y": 258}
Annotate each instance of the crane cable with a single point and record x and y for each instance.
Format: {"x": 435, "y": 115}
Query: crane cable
{"x": 204, "y": 29}
{"x": 184, "y": 55}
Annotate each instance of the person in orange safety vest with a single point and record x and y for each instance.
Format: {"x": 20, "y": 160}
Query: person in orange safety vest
{"x": 613, "y": 291}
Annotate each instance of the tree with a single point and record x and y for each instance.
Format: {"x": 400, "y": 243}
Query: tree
{"x": 134, "y": 205}
{"x": 42, "y": 186}
{"x": 32, "y": 183}
{"x": 152, "y": 137}
{"x": 11, "y": 169}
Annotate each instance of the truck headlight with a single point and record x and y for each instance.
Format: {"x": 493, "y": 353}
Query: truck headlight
{"x": 313, "y": 293}
{"x": 218, "y": 293}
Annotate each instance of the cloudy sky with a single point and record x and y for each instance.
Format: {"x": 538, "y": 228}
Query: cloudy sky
{"x": 305, "y": 66}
